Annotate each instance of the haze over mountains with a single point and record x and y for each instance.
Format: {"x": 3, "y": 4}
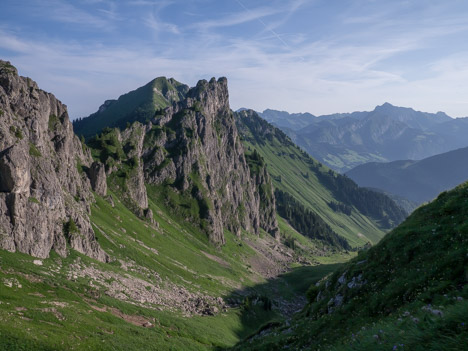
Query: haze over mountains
{"x": 418, "y": 181}
{"x": 388, "y": 133}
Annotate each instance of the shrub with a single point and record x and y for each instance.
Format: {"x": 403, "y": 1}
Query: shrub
{"x": 70, "y": 228}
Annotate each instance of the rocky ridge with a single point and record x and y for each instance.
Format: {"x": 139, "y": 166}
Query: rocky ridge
{"x": 194, "y": 146}
{"x": 44, "y": 193}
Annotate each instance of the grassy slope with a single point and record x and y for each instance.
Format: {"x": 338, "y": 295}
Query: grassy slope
{"x": 420, "y": 266}
{"x": 101, "y": 330}
{"x": 293, "y": 165}
{"x": 138, "y": 104}
{"x": 52, "y": 311}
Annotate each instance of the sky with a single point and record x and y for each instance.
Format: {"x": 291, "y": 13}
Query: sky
{"x": 317, "y": 56}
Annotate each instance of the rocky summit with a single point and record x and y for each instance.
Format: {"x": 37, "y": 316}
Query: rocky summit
{"x": 206, "y": 157}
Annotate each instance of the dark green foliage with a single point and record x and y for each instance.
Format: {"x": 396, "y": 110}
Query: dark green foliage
{"x": 260, "y": 130}
{"x": 133, "y": 162}
{"x": 152, "y": 136}
{"x": 192, "y": 204}
{"x": 33, "y": 151}
{"x": 254, "y": 300}
{"x": 1, "y": 112}
{"x": 370, "y": 203}
{"x": 7, "y": 67}
{"x": 340, "y": 207}
{"x": 307, "y": 222}
{"x": 107, "y": 148}
{"x": 290, "y": 242}
{"x": 312, "y": 293}
{"x": 255, "y": 161}
{"x": 197, "y": 106}
{"x": 70, "y": 228}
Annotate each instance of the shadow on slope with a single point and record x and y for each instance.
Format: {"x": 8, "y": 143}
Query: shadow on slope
{"x": 276, "y": 300}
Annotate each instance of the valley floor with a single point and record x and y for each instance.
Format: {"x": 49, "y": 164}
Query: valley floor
{"x": 166, "y": 288}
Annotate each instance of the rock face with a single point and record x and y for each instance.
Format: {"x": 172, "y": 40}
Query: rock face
{"x": 42, "y": 186}
{"x": 194, "y": 145}
{"x": 132, "y": 138}
{"x": 97, "y": 176}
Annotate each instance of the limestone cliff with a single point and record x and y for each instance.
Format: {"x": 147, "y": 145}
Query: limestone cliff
{"x": 195, "y": 145}
{"x": 44, "y": 192}
{"x": 192, "y": 150}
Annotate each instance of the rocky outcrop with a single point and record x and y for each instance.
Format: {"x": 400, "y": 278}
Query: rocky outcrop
{"x": 195, "y": 146}
{"x": 42, "y": 185}
{"x": 267, "y": 211}
{"x": 132, "y": 140}
{"x": 97, "y": 176}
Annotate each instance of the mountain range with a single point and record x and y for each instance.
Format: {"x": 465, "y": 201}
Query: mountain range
{"x": 419, "y": 181}
{"x": 166, "y": 221}
{"x": 388, "y": 133}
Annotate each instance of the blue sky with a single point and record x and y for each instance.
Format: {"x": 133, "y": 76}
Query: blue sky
{"x": 319, "y": 56}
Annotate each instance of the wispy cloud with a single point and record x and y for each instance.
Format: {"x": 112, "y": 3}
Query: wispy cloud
{"x": 159, "y": 26}
{"x": 340, "y": 70}
{"x": 237, "y": 18}
{"x": 62, "y": 11}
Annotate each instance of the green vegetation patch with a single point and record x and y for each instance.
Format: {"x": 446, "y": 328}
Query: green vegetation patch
{"x": 8, "y": 67}
{"x": 16, "y": 131}
{"x": 33, "y": 150}
{"x": 306, "y": 221}
{"x": 53, "y": 121}
{"x": 33, "y": 200}
{"x": 70, "y": 228}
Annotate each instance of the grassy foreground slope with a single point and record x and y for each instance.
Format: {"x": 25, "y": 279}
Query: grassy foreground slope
{"x": 295, "y": 172}
{"x": 150, "y": 297}
{"x": 409, "y": 292}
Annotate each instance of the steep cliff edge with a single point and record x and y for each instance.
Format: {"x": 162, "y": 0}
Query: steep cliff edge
{"x": 206, "y": 158}
{"x": 44, "y": 193}
{"x": 191, "y": 153}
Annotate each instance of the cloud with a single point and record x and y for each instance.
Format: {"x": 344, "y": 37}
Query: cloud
{"x": 62, "y": 11}
{"x": 340, "y": 72}
{"x": 237, "y": 18}
{"x": 160, "y": 26}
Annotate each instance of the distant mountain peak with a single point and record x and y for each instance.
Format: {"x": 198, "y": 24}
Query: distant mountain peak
{"x": 386, "y": 106}
{"x": 443, "y": 115}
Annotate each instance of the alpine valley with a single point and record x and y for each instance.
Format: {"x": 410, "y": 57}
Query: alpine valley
{"x": 166, "y": 221}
